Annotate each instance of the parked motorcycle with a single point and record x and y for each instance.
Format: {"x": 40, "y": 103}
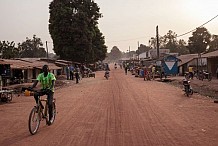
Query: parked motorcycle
{"x": 107, "y": 74}
{"x": 187, "y": 87}
{"x": 205, "y": 75}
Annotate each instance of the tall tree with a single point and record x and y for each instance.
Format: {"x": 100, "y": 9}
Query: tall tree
{"x": 8, "y": 50}
{"x": 170, "y": 42}
{"x": 115, "y": 54}
{"x": 143, "y": 48}
{"x": 181, "y": 48}
{"x": 153, "y": 42}
{"x": 213, "y": 43}
{"x": 73, "y": 28}
{"x": 31, "y": 48}
{"x": 199, "y": 41}
{"x": 99, "y": 48}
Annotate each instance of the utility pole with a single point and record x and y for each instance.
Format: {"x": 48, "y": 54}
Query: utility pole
{"x": 129, "y": 52}
{"x": 47, "y": 50}
{"x": 138, "y": 51}
{"x": 158, "y": 53}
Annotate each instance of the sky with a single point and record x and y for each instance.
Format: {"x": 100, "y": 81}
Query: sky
{"x": 125, "y": 23}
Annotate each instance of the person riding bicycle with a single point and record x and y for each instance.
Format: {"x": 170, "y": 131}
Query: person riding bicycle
{"x": 47, "y": 81}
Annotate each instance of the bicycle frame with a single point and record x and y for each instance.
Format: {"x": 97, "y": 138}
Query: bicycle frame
{"x": 42, "y": 113}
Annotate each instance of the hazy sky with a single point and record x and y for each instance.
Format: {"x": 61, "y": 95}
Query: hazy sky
{"x": 124, "y": 22}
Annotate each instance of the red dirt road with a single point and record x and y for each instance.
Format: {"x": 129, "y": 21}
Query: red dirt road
{"x": 121, "y": 111}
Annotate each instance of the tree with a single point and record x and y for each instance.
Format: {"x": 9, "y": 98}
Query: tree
{"x": 115, "y": 54}
{"x": 143, "y": 48}
{"x": 181, "y": 48}
{"x": 8, "y": 49}
{"x": 31, "y": 48}
{"x": 199, "y": 41}
{"x": 98, "y": 46}
{"x": 214, "y": 43}
{"x": 73, "y": 28}
{"x": 153, "y": 42}
{"x": 170, "y": 41}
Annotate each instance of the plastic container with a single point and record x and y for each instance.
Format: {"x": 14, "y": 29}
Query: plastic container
{"x": 28, "y": 93}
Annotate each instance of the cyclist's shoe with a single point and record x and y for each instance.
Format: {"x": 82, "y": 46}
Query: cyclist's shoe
{"x": 49, "y": 123}
{"x": 37, "y": 108}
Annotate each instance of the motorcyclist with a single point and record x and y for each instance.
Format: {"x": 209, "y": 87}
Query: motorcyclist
{"x": 115, "y": 66}
{"x": 107, "y": 69}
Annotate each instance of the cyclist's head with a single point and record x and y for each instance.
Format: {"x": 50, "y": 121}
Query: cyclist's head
{"x": 45, "y": 68}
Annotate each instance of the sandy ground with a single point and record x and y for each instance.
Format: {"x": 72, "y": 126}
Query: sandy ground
{"x": 205, "y": 87}
{"x": 121, "y": 111}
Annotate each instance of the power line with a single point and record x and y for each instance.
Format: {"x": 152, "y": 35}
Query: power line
{"x": 129, "y": 39}
{"x": 151, "y": 36}
{"x": 197, "y": 27}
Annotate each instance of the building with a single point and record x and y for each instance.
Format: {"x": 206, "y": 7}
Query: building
{"x": 152, "y": 54}
{"x": 212, "y": 61}
{"x": 23, "y": 69}
{"x": 170, "y": 64}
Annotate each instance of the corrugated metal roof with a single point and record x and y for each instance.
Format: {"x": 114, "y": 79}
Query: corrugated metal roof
{"x": 61, "y": 64}
{"x": 186, "y": 58}
{"x": 211, "y": 54}
{"x": 18, "y": 64}
{"x": 24, "y": 64}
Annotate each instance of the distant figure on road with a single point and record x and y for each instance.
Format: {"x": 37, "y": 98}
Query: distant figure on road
{"x": 217, "y": 72}
{"x": 68, "y": 72}
{"x": 153, "y": 71}
{"x": 126, "y": 68}
{"x": 107, "y": 67}
{"x": 77, "y": 72}
{"x": 115, "y": 66}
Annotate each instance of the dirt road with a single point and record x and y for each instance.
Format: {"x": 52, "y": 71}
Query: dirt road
{"x": 121, "y": 111}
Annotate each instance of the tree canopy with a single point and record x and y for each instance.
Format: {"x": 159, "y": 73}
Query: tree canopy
{"x": 73, "y": 26}
{"x": 115, "y": 54}
{"x": 31, "y": 48}
{"x": 199, "y": 41}
{"x": 8, "y": 50}
{"x": 169, "y": 41}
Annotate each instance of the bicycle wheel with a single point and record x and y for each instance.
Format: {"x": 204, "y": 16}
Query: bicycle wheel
{"x": 53, "y": 114}
{"x": 34, "y": 121}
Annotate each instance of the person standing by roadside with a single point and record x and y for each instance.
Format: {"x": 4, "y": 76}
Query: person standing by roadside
{"x": 67, "y": 71}
{"x": 217, "y": 72}
{"x": 71, "y": 72}
{"x": 77, "y": 72}
{"x": 190, "y": 70}
{"x": 145, "y": 73}
{"x": 153, "y": 71}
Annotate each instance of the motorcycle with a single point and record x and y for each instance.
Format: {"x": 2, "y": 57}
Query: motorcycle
{"x": 205, "y": 75}
{"x": 107, "y": 74}
{"x": 187, "y": 87}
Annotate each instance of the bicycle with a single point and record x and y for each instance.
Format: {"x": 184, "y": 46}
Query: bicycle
{"x": 38, "y": 113}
